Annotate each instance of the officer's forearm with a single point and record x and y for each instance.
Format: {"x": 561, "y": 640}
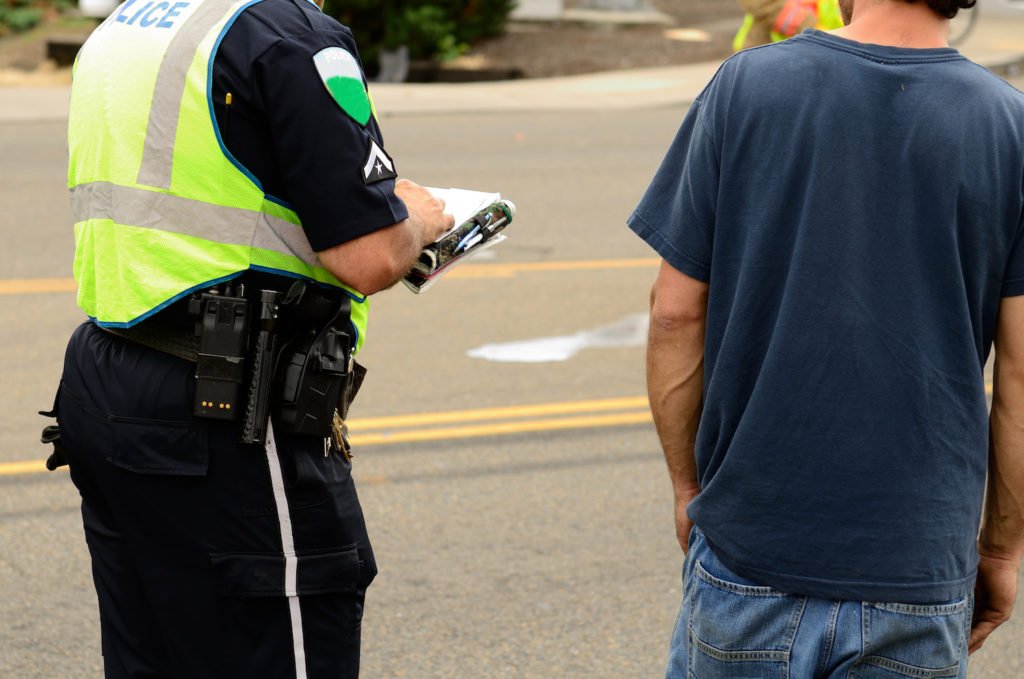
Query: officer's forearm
{"x": 376, "y": 261}
{"x": 675, "y": 375}
{"x": 1002, "y": 533}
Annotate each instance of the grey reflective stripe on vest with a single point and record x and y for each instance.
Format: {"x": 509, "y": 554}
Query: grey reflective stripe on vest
{"x": 174, "y": 214}
{"x": 162, "y": 128}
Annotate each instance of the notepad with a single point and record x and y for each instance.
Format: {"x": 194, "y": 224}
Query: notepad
{"x": 480, "y": 217}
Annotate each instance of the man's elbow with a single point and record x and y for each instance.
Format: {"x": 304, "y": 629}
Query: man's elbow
{"x": 673, "y": 309}
{"x": 671, "y": 318}
{"x": 678, "y": 302}
{"x": 1008, "y": 389}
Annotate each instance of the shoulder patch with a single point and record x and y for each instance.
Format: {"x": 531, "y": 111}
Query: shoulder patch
{"x": 378, "y": 165}
{"x": 340, "y": 73}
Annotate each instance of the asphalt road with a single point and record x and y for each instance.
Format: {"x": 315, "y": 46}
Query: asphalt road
{"x": 523, "y": 527}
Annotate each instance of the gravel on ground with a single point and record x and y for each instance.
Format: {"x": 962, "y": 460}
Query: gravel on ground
{"x": 702, "y": 31}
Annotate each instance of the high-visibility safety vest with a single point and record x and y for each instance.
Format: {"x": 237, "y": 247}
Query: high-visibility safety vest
{"x": 161, "y": 207}
{"x": 791, "y": 17}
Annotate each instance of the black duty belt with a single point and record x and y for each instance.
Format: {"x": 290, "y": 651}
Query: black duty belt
{"x": 289, "y": 353}
{"x": 166, "y": 337}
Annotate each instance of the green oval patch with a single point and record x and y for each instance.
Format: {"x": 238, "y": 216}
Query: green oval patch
{"x": 343, "y": 78}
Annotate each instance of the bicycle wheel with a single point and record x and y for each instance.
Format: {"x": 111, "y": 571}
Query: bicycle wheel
{"x": 960, "y": 27}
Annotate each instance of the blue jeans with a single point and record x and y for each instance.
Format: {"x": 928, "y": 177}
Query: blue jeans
{"x": 731, "y": 628}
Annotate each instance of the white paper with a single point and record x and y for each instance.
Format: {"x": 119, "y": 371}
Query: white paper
{"x": 462, "y": 204}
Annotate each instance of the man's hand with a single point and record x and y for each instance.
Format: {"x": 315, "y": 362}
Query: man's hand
{"x": 1001, "y": 542}
{"x": 995, "y": 592}
{"x": 426, "y": 213}
{"x": 683, "y": 523}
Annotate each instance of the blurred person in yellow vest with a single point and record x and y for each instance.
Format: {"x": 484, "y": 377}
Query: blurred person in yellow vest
{"x": 774, "y": 20}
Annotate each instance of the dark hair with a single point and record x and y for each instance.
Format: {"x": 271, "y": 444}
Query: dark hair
{"x": 948, "y": 8}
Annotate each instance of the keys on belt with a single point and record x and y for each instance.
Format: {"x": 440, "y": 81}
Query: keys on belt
{"x": 339, "y": 437}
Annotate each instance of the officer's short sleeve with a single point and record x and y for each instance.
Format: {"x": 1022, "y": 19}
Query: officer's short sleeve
{"x": 321, "y": 146}
{"x": 676, "y": 216}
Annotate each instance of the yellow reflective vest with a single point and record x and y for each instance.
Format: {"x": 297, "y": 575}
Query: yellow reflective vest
{"x": 161, "y": 207}
{"x": 758, "y": 29}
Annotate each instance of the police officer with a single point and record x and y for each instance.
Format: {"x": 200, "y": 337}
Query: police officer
{"x": 220, "y": 151}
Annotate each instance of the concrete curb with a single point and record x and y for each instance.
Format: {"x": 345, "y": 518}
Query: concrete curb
{"x": 613, "y": 90}
{"x": 605, "y": 17}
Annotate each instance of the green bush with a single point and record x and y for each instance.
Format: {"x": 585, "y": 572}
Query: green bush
{"x": 432, "y": 29}
{"x": 18, "y": 16}
{"x": 19, "y": 19}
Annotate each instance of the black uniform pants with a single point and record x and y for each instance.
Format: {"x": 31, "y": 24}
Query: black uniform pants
{"x": 210, "y": 558}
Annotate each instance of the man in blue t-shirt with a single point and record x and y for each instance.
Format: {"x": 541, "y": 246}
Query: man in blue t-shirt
{"x": 839, "y": 219}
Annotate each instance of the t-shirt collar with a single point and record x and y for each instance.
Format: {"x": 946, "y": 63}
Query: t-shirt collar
{"x": 883, "y": 53}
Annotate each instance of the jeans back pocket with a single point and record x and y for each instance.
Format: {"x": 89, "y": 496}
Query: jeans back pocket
{"x": 911, "y": 640}
{"x": 738, "y": 629}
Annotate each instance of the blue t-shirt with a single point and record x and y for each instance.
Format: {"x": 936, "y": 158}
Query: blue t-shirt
{"x": 856, "y": 211}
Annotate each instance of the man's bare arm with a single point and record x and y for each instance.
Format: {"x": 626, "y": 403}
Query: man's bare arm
{"x": 675, "y": 379}
{"x": 378, "y": 260}
{"x": 1001, "y": 545}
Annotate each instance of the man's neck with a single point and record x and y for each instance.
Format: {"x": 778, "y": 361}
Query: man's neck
{"x": 896, "y": 23}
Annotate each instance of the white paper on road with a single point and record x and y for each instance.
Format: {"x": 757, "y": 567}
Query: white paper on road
{"x": 630, "y": 331}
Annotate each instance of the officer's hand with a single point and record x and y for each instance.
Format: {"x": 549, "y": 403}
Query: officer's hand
{"x": 995, "y": 592}
{"x": 426, "y": 213}
{"x": 379, "y": 259}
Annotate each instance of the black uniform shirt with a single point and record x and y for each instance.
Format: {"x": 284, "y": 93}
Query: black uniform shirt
{"x": 284, "y": 128}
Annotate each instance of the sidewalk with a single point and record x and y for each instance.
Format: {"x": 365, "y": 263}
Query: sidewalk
{"x": 997, "y": 43}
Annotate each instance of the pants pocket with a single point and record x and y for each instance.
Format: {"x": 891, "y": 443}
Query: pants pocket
{"x": 910, "y": 640}
{"x": 278, "y": 612}
{"x": 737, "y": 629}
{"x": 159, "y": 447}
{"x": 263, "y": 575}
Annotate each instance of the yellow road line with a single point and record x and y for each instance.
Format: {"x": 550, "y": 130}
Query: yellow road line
{"x": 27, "y": 286}
{"x": 376, "y": 438}
{"x": 500, "y": 428}
{"x": 509, "y": 412}
{"x": 29, "y": 467}
{"x": 440, "y": 434}
{"x": 470, "y": 270}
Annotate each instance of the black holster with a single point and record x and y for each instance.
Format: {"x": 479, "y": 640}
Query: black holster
{"x": 316, "y": 373}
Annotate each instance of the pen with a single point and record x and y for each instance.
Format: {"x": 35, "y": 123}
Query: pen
{"x": 475, "y": 240}
{"x": 491, "y": 228}
{"x": 462, "y": 243}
